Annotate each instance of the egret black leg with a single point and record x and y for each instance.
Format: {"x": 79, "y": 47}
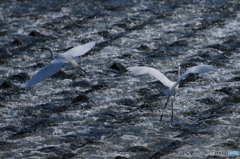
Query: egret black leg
{"x": 79, "y": 72}
{"x": 172, "y": 109}
{"x": 164, "y": 108}
{"x": 82, "y": 70}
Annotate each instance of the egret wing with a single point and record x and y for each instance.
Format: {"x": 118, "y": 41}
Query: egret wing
{"x": 196, "y": 69}
{"x": 151, "y": 71}
{"x": 52, "y": 68}
{"x": 80, "y": 50}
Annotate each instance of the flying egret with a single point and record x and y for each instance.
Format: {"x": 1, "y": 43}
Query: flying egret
{"x": 61, "y": 60}
{"x": 172, "y": 86}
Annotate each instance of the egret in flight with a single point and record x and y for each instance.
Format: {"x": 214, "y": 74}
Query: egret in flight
{"x": 172, "y": 86}
{"x": 66, "y": 59}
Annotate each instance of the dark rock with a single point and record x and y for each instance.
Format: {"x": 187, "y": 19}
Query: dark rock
{"x": 234, "y": 79}
{"x": 80, "y": 98}
{"x": 209, "y": 101}
{"x": 9, "y": 128}
{"x": 144, "y": 47}
{"x": 205, "y": 55}
{"x": 39, "y": 65}
{"x": 232, "y": 99}
{"x": 20, "y": 76}
{"x": 112, "y": 114}
{"x": 7, "y": 146}
{"x": 62, "y": 74}
{"x": 36, "y": 34}
{"x": 179, "y": 43}
{"x": 120, "y": 25}
{"x": 120, "y": 157}
{"x": 7, "y": 84}
{"x": 53, "y": 149}
{"x": 146, "y": 105}
{"x": 82, "y": 83}
{"x": 231, "y": 144}
{"x": 105, "y": 34}
{"x": 100, "y": 86}
{"x": 118, "y": 67}
{"x": 128, "y": 102}
{"x": 226, "y": 90}
{"x": 168, "y": 149}
{"x": 138, "y": 149}
{"x": 17, "y": 42}
{"x": 220, "y": 47}
{"x": 188, "y": 64}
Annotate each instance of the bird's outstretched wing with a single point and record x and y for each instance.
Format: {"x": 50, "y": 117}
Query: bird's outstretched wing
{"x": 151, "y": 71}
{"x": 196, "y": 69}
{"x": 52, "y": 68}
{"x": 80, "y": 50}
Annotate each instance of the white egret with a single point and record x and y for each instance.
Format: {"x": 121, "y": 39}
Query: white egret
{"x": 61, "y": 60}
{"x": 172, "y": 86}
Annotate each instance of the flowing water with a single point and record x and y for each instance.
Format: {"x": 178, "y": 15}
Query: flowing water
{"x": 110, "y": 113}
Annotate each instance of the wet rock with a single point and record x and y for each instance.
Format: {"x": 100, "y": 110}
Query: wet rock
{"x": 220, "y": 47}
{"x": 179, "y": 43}
{"x": 100, "y": 86}
{"x": 61, "y": 74}
{"x": 7, "y": 84}
{"x": 37, "y": 125}
{"x": 138, "y": 149}
{"x": 36, "y": 34}
{"x": 144, "y": 47}
{"x": 17, "y": 42}
{"x": 20, "y": 76}
{"x": 128, "y": 102}
{"x": 56, "y": 150}
{"x": 9, "y": 128}
{"x": 119, "y": 67}
{"x": 234, "y": 79}
{"x": 205, "y": 55}
{"x": 120, "y": 157}
{"x": 7, "y": 146}
{"x": 188, "y": 64}
{"x": 75, "y": 141}
{"x": 80, "y": 98}
{"x": 120, "y": 25}
{"x": 112, "y": 114}
{"x": 209, "y": 101}
{"x": 168, "y": 149}
{"x": 82, "y": 83}
{"x": 232, "y": 99}
{"x": 146, "y": 105}
{"x": 105, "y": 34}
{"x": 39, "y": 65}
{"x": 232, "y": 144}
{"x": 190, "y": 78}
{"x": 226, "y": 90}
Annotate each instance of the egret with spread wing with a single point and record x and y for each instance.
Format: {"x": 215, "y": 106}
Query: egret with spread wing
{"x": 66, "y": 59}
{"x": 172, "y": 86}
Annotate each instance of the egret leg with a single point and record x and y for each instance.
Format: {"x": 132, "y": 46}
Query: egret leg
{"x": 79, "y": 72}
{"x": 172, "y": 108}
{"x": 164, "y": 108}
{"x": 82, "y": 69}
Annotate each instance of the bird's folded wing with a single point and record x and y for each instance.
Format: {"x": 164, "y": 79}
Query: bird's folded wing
{"x": 151, "y": 71}
{"x": 80, "y": 50}
{"x": 47, "y": 71}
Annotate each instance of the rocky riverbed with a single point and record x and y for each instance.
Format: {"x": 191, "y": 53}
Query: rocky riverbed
{"x": 111, "y": 113}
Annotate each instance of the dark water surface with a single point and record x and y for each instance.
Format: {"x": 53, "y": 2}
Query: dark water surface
{"x": 110, "y": 113}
